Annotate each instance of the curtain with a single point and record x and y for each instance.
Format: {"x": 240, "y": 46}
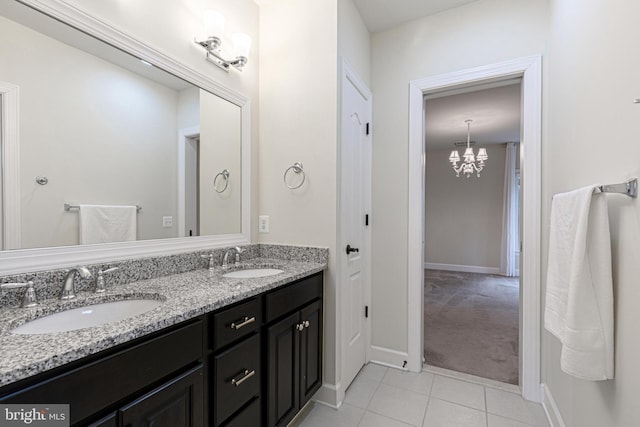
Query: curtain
{"x": 510, "y": 229}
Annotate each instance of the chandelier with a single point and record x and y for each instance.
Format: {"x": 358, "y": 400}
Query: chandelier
{"x": 469, "y": 165}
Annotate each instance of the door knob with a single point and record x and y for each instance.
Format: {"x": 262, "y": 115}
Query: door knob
{"x": 350, "y": 249}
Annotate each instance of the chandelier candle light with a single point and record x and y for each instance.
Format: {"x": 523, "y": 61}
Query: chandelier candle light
{"x": 469, "y": 164}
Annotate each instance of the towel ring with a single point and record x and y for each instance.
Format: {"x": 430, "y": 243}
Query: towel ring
{"x": 225, "y": 175}
{"x": 297, "y": 168}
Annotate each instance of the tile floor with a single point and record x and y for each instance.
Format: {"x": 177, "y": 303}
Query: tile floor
{"x": 386, "y": 397}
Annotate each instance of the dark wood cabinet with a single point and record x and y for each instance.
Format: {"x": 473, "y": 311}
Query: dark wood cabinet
{"x": 177, "y": 403}
{"x": 101, "y": 382}
{"x": 310, "y": 351}
{"x": 283, "y": 361}
{"x": 252, "y": 364}
{"x": 294, "y": 352}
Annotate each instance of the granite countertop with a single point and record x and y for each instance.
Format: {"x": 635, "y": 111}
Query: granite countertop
{"x": 185, "y": 295}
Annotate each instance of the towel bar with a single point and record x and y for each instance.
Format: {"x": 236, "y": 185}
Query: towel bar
{"x": 68, "y": 207}
{"x": 630, "y": 188}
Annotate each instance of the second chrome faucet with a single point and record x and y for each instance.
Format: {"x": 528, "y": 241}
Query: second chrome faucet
{"x": 69, "y": 286}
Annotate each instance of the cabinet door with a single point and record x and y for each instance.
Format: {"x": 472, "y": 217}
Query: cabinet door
{"x": 178, "y": 403}
{"x": 282, "y": 376}
{"x": 310, "y": 351}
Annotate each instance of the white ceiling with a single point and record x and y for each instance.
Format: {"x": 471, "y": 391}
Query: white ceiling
{"x": 379, "y": 15}
{"x": 495, "y": 113}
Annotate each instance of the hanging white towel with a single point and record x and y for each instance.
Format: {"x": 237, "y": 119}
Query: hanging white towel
{"x": 579, "y": 297}
{"x": 103, "y": 223}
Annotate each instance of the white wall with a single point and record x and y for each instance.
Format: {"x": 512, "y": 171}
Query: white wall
{"x": 354, "y": 40}
{"x": 464, "y": 37}
{"x": 593, "y": 78}
{"x": 86, "y": 158}
{"x": 463, "y": 216}
{"x": 220, "y": 213}
{"x": 298, "y": 122}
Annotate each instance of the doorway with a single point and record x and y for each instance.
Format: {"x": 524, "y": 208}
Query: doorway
{"x": 530, "y": 70}
{"x": 471, "y": 306}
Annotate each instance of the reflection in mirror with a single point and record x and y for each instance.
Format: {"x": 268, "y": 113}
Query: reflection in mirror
{"x": 107, "y": 129}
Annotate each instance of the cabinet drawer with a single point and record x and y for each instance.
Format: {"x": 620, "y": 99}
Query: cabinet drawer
{"x": 248, "y": 417}
{"x": 292, "y": 297}
{"x": 94, "y": 387}
{"x": 236, "y": 377}
{"x": 236, "y": 322}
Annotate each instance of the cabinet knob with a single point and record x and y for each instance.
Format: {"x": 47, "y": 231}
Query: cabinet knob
{"x": 306, "y": 323}
{"x": 300, "y": 327}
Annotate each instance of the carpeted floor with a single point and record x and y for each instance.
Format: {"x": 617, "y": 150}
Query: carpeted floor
{"x": 471, "y": 323}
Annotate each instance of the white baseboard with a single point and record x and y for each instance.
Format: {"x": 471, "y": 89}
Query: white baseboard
{"x": 550, "y": 408}
{"x": 330, "y": 395}
{"x": 463, "y": 268}
{"x": 390, "y": 358}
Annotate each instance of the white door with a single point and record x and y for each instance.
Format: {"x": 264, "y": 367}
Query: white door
{"x": 354, "y": 250}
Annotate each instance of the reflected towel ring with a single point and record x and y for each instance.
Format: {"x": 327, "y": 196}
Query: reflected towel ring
{"x": 225, "y": 175}
{"x": 297, "y": 168}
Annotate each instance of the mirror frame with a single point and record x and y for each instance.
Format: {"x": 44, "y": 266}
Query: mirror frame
{"x": 28, "y": 260}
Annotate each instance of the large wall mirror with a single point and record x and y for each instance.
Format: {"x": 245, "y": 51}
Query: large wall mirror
{"x": 86, "y": 123}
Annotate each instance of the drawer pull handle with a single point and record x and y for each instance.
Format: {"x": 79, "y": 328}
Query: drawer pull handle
{"x": 244, "y": 322}
{"x": 244, "y": 375}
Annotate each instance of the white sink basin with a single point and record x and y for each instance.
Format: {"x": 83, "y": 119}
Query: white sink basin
{"x": 87, "y": 316}
{"x": 252, "y": 273}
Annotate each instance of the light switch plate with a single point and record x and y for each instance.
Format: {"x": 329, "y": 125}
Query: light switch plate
{"x": 167, "y": 221}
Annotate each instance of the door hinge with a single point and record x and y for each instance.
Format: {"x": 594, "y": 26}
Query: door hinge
{"x": 367, "y": 128}
{"x": 366, "y": 311}
{"x": 366, "y": 220}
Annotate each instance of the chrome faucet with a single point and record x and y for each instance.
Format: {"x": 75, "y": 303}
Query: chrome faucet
{"x": 69, "y": 287}
{"x": 225, "y": 258}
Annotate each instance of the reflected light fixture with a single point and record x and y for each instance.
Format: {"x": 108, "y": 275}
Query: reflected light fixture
{"x": 214, "y": 26}
{"x": 469, "y": 165}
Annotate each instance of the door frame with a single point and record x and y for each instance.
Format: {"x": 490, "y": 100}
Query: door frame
{"x": 349, "y": 76}
{"x": 530, "y": 70}
{"x": 183, "y": 135}
{"x": 11, "y": 227}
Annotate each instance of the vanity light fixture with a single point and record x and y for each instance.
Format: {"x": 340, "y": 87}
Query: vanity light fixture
{"x": 469, "y": 165}
{"x": 214, "y": 27}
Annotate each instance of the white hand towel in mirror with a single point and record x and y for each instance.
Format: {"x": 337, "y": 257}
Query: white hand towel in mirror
{"x": 579, "y": 295}
{"x": 104, "y": 224}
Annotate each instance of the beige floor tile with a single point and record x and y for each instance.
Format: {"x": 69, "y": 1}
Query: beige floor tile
{"x": 374, "y": 420}
{"x": 323, "y": 416}
{"x": 513, "y": 406}
{"x": 373, "y": 371}
{"x": 402, "y": 405}
{"x": 419, "y": 382}
{"x": 446, "y": 414}
{"x": 361, "y": 391}
{"x": 460, "y": 392}
{"x": 498, "y": 421}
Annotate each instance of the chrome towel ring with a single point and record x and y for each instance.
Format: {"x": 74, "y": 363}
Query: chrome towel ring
{"x": 224, "y": 175}
{"x": 298, "y": 169}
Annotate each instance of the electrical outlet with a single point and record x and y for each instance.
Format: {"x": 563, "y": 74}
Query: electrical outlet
{"x": 167, "y": 221}
{"x": 263, "y": 224}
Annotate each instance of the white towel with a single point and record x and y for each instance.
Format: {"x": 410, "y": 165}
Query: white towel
{"x": 103, "y": 224}
{"x": 579, "y": 298}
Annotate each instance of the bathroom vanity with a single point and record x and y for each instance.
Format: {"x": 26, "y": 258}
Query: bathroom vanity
{"x": 218, "y": 352}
